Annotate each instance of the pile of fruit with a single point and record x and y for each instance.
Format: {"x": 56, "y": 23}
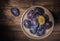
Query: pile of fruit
{"x": 37, "y": 21}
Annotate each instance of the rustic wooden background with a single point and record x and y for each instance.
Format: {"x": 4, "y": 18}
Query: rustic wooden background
{"x": 10, "y": 29}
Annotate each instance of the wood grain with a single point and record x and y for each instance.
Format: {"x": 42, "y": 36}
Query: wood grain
{"x": 10, "y": 28}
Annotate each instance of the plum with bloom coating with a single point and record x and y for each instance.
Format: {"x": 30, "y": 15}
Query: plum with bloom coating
{"x": 15, "y": 11}
{"x": 30, "y": 14}
{"x": 27, "y": 23}
{"x": 39, "y": 11}
{"x": 41, "y": 31}
{"x": 46, "y": 17}
{"x": 48, "y": 24}
{"x": 33, "y": 29}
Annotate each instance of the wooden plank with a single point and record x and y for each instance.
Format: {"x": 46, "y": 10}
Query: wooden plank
{"x": 20, "y": 36}
{"x": 10, "y": 28}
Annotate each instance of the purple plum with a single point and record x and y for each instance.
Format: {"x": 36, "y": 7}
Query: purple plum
{"x": 41, "y": 30}
{"x": 30, "y": 14}
{"x": 48, "y": 24}
{"x": 39, "y": 11}
{"x": 27, "y": 23}
{"x": 15, "y": 11}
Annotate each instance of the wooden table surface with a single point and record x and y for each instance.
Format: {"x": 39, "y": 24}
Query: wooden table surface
{"x": 10, "y": 29}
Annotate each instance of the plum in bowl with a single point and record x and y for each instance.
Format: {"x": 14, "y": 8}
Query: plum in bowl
{"x": 37, "y": 22}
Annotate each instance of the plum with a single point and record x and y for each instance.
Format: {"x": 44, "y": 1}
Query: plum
{"x": 34, "y": 21}
{"x": 30, "y": 14}
{"x": 27, "y": 23}
{"x": 41, "y": 31}
{"x": 34, "y": 26}
{"x": 48, "y": 24}
{"x": 39, "y": 11}
{"x": 46, "y": 17}
{"x": 15, "y": 11}
{"x": 33, "y": 29}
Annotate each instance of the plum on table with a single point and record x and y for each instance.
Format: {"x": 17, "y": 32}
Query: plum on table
{"x": 15, "y": 11}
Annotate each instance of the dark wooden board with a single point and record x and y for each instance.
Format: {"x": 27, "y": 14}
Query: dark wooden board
{"x": 10, "y": 29}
